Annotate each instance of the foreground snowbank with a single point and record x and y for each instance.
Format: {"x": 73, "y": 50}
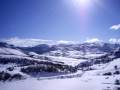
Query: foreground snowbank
{"x": 84, "y": 83}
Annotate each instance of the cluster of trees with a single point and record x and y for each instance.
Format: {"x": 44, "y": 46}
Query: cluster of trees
{"x": 116, "y": 71}
{"x": 48, "y": 68}
{"x": 117, "y": 53}
{"x": 107, "y": 73}
{"x": 103, "y": 59}
{"x": 18, "y": 61}
{"x": 84, "y": 65}
{"x": 22, "y": 61}
{"x": 100, "y": 60}
{"x": 4, "y": 76}
{"x": 117, "y": 82}
{"x": 33, "y": 66}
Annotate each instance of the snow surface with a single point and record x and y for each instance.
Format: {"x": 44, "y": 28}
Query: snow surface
{"x": 82, "y": 80}
{"x": 84, "y": 83}
{"x": 109, "y": 67}
{"x": 91, "y": 55}
{"x": 11, "y": 51}
{"x": 89, "y": 80}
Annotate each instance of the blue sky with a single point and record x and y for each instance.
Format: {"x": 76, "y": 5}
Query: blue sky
{"x": 59, "y": 19}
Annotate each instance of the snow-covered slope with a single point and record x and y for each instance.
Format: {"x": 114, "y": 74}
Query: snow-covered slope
{"x": 84, "y": 66}
{"x": 10, "y": 51}
{"x": 107, "y": 68}
{"x": 80, "y": 83}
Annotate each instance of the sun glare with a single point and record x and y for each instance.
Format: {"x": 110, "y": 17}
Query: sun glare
{"x": 82, "y": 3}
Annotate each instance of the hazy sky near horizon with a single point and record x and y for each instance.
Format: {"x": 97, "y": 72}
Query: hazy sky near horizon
{"x": 60, "y": 19}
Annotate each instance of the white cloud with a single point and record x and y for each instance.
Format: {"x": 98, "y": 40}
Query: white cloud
{"x": 115, "y": 27}
{"x": 114, "y": 40}
{"x": 93, "y": 40}
{"x": 66, "y": 42}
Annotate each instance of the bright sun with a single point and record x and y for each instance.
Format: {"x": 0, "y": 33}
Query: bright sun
{"x": 82, "y": 3}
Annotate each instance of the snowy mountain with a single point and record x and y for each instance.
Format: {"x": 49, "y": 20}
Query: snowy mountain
{"x": 84, "y": 63}
{"x": 7, "y": 49}
{"x": 34, "y": 42}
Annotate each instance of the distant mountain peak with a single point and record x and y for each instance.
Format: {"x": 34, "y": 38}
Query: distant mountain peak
{"x": 34, "y": 42}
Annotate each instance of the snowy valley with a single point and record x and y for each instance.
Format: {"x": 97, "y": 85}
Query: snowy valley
{"x": 59, "y": 66}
